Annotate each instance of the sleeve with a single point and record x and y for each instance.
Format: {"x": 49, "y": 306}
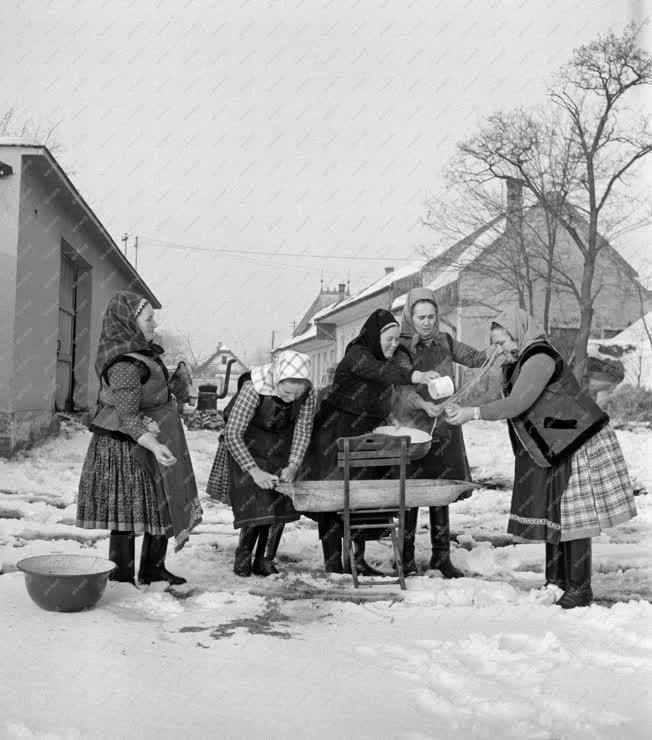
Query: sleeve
{"x": 242, "y": 413}
{"x": 125, "y": 381}
{"x": 406, "y": 393}
{"x": 533, "y": 378}
{"x": 466, "y": 355}
{"x": 303, "y": 429}
{"x": 364, "y": 365}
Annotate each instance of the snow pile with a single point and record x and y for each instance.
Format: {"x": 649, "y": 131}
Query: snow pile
{"x": 633, "y": 348}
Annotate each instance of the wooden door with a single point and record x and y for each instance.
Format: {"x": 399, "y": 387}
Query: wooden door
{"x": 66, "y": 340}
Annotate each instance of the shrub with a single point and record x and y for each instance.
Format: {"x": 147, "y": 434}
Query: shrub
{"x": 629, "y": 403}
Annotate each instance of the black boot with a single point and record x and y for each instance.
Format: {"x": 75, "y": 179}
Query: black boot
{"x": 361, "y": 565}
{"x": 262, "y": 565}
{"x": 246, "y": 544}
{"x": 577, "y": 561}
{"x": 555, "y": 575}
{"x": 152, "y": 561}
{"x": 441, "y": 543}
{"x": 330, "y": 534}
{"x": 409, "y": 563}
{"x": 122, "y": 550}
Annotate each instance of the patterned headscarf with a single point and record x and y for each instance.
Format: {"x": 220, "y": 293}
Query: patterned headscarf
{"x": 285, "y": 366}
{"x": 523, "y": 328}
{"x": 369, "y": 336}
{"x": 120, "y": 333}
{"x": 408, "y": 331}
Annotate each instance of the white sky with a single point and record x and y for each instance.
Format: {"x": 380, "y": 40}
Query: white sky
{"x": 303, "y": 127}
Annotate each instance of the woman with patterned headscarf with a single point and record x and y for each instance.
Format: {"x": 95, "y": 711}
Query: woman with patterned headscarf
{"x": 570, "y": 477}
{"x": 433, "y": 349}
{"x": 268, "y": 426}
{"x": 137, "y": 476}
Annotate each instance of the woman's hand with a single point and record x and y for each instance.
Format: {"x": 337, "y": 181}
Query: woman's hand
{"x": 163, "y": 456}
{"x": 458, "y": 415}
{"x": 263, "y": 479}
{"x": 289, "y": 473}
{"x": 432, "y": 409}
{"x": 419, "y": 377}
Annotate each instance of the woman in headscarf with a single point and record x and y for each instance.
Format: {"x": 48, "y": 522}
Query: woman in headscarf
{"x": 267, "y": 432}
{"x": 433, "y": 349}
{"x": 570, "y": 477}
{"x": 137, "y": 476}
{"x": 358, "y": 401}
{"x": 180, "y": 383}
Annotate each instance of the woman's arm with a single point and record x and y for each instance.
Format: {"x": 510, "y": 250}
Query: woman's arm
{"x": 124, "y": 380}
{"x": 466, "y": 355}
{"x": 241, "y": 414}
{"x": 364, "y": 365}
{"x": 302, "y": 430}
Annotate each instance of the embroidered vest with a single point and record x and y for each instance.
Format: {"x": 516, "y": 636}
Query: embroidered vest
{"x": 562, "y": 419}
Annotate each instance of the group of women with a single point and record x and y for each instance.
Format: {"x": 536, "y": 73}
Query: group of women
{"x": 570, "y": 481}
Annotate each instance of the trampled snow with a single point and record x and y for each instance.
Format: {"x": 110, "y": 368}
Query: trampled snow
{"x": 301, "y": 653}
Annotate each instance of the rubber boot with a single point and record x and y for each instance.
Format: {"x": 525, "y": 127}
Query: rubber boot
{"x": 330, "y": 534}
{"x": 152, "y": 561}
{"x": 246, "y": 543}
{"x": 261, "y": 566}
{"x": 441, "y": 543}
{"x": 577, "y": 561}
{"x": 555, "y": 575}
{"x": 122, "y": 551}
{"x": 409, "y": 563}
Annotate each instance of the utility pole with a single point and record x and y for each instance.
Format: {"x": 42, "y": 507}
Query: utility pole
{"x": 136, "y": 251}
{"x": 125, "y": 239}
{"x": 273, "y": 335}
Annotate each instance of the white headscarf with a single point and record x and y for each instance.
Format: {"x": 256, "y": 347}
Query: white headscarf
{"x": 287, "y": 364}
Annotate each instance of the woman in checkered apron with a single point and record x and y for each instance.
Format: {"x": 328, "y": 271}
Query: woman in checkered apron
{"x": 570, "y": 478}
{"x": 268, "y": 428}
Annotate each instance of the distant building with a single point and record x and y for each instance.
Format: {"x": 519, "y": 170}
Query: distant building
{"x": 213, "y": 370}
{"x": 58, "y": 269}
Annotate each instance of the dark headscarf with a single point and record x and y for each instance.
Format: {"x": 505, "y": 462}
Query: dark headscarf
{"x": 372, "y": 328}
{"x": 120, "y": 333}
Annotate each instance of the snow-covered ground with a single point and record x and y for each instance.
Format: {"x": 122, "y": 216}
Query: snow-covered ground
{"x": 300, "y": 654}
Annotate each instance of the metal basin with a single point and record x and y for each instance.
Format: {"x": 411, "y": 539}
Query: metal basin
{"x": 420, "y": 442}
{"x": 65, "y": 583}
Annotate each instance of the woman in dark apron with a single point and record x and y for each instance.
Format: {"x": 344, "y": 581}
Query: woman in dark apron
{"x": 570, "y": 477}
{"x": 432, "y": 349}
{"x": 137, "y": 476}
{"x": 267, "y": 432}
{"x": 358, "y": 401}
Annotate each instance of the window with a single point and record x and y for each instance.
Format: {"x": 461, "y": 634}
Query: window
{"x": 224, "y": 359}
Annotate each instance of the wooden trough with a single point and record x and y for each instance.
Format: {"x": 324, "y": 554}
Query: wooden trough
{"x": 328, "y": 495}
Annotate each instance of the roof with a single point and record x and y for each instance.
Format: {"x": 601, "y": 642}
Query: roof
{"x": 324, "y": 299}
{"x": 386, "y": 281}
{"x": 632, "y": 348}
{"x": 309, "y": 333}
{"x": 42, "y": 151}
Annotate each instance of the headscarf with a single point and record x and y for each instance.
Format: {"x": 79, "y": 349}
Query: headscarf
{"x": 408, "y": 330}
{"x": 120, "y": 333}
{"x": 285, "y": 366}
{"x": 523, "y": 328}
{"x": 369, "y": 336}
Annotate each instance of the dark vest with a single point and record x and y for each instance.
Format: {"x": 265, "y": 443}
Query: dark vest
{"x": 562, "y": 419}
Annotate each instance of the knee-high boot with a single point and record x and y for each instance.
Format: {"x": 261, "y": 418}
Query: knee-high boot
{"x": 577, "y": 562}
{"x": 409, "y": 539}
{"x": 268, "y": 542}
{"x": 441, "y": 543}
{"x": 246, "y": 543}
{"x": 330, "y": 534}
{"x": 555, "y": 575}
{"x": 152, "y": 561}
{"x": 122, "y": 551}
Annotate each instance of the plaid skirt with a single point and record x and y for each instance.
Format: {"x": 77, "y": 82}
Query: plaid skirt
{"x": 599, "y": 494}
{"x": 116, "y": 492}
{"x": 218, "y": 480}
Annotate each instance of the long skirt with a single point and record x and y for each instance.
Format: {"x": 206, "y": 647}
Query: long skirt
{"x": 116, "y": 492}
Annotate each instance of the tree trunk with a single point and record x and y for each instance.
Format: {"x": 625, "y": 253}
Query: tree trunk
{"x": 586, "y": 319}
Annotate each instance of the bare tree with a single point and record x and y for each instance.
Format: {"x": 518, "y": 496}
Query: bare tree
{"x": 12, "y": 123}
{"x": 577, "y": 158}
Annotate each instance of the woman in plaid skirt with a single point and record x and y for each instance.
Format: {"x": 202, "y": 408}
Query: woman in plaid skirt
{"x": 570, "y": 478}
{"x": 268, "y": 427}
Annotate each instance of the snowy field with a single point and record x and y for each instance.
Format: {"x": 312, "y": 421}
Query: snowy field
{"x": 297, "y": 655}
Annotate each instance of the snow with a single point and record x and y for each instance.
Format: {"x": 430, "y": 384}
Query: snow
{"x": 633, "y": 348}
{"x": 300, "y": 653}
{"x": 309, "y": 333}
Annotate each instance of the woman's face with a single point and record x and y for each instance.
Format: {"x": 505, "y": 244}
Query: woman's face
{"x": 289, "y": 390}
{"x": 506, "y": 347}
{"x": 389, "y": 341}
{"x": 146, "y": 322}
{"x": 424, "y": 316}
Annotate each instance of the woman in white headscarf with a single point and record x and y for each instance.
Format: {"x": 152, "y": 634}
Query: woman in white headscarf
{"x": 570, "y": 477}
{"x": 268, "y": 428}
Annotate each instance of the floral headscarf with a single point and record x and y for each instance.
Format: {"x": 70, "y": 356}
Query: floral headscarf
{"x": 285, "y": 366}
{"x": 408, "y": 331}
{"x": 120, "y": 333}
{"x": 523, "y": 328}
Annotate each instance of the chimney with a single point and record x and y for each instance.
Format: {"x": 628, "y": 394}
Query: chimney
{"x": 514, "y": 228}
{"x": 341, "y": 288}
{"x": 389, "y": 270}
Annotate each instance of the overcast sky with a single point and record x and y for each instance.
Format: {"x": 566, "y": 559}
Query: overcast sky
{"x": 291, "y": 127}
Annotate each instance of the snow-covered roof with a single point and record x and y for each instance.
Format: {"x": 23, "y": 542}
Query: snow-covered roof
{"x": 309, "y": 333}
{"x": 384, "y": 282}
{"x": 19, "y": 141}
{"x": 632, "y": 347}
